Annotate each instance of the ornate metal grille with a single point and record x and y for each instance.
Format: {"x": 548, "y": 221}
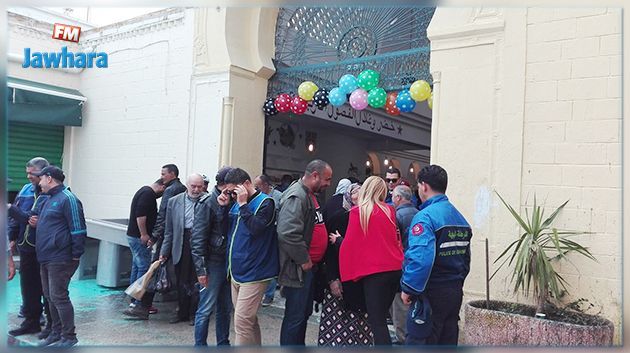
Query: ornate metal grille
{"x": 321, "y": 44}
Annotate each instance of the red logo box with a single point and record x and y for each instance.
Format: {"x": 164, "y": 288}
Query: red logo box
{"x": 67, "y": 33}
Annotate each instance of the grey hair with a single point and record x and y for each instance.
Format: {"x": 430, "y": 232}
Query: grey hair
{"x": 403, "y": 191}
{"x": 316, "y": 165}
{"x": 38, "y": 162}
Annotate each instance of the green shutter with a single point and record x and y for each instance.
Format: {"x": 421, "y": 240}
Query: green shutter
{"x": 28, "y": 140}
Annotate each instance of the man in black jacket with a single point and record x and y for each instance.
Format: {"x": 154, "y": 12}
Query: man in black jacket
{"x": 208, "y": 245}
{"x": 170, "y": 178}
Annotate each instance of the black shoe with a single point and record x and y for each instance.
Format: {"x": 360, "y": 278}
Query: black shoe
{"x": 65, "y": 342}
{"x": 44, "y": 334}
{"x": 21, "y": 312}
{"x": 139, "y": 312}
{"x": 52, "y": 338}
{"x": 175, "y": 319}
{"x": 25, "y": 329}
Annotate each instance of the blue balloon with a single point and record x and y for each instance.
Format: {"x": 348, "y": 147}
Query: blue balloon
{"x": 348, "y": 83}
{"x": 337, "y": 97}
{"x": 404, "y": 102}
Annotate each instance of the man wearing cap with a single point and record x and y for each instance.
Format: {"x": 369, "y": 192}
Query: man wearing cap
{"x": 22, "y": 234}
{"x": 60, "y": 240}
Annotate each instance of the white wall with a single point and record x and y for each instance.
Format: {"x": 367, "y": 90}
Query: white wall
{"x": 136, "y": 118}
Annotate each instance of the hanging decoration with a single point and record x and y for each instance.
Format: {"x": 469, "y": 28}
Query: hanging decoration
{"x": 358, "y": 99}
{"x": 368, "y": 79}
{"x": 348, "y": 83}
{"x": 298, "y": 105}
{"x": 377, "y": 97}
{"x": 420, "y": 90}
{"x": 306, "y": 90}
{"x": 430, "y": 101}
{"x": 320, "y": 99}
{"x": 404, "y": 102}
{"x": 283, "y": 103}
{"x": 337, "y": 97}
{"x": 390, "y": 105}
{"x": 269, "y": 107}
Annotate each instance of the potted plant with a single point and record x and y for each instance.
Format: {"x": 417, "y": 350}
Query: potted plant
{"x": 532, "y": 256}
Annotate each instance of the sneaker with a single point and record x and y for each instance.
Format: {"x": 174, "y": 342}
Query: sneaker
{"x": 25, "y": 329}
{"x": 153, "y": 310}
{"x": 139, "y": 312}
{"x": 52, "y": 338}
{"x": 44, "y": 334}
{"x": 132, "y": 305}
{"x": 65, "y": 342}
{"x": 267, "y": 301}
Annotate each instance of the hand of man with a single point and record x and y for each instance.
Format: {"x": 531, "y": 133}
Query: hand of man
{"x": 332, "y": 237}
{"x": 11, "y": 268}
{"x": 336, "y": 289}
{"x": 163, "y": 258}
{"x": 12, "y": 246}
{"x": 203, "y": 280}
{"x": 241, "y": 195}
{"x": 150, "y": 242}
{"x": 224, "y": 198}
{"x": 406, "y": 298}
{"x": 307, "y": 266}
{"x": 144, "y": 239}
{"x": 32, "y": 221}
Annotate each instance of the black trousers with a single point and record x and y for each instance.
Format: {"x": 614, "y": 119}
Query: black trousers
{"x": 186, "y": 278}
{"x": 445, "y": 304}
{"x": 31, "y": 288}
{"x": 379, "y": 289}
{"x": 55, "y": 280}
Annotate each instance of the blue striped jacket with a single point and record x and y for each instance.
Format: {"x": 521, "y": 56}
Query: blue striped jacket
{"x": 61, "y": 227}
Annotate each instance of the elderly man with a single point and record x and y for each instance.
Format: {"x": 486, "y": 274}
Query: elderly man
{"x": 22, "y": 234}
{"x": 180, "y": 218}
{"x": 61, "y": 234}
{"x": 303, "y": 239}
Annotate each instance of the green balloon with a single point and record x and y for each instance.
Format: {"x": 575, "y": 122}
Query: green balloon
{"x": 377, "y": 97}
{"x": 368, "y": 79}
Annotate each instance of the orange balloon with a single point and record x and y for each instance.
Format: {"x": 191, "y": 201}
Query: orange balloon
{"x": 390, "y": 105}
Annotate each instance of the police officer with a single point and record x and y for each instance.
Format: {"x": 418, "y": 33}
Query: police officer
{"x": 436, "y": 264}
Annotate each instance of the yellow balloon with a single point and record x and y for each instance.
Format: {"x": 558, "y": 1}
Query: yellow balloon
{"x": 420, "y": 90}
{"x": 307, "y": 90}
{"x": 430, "y": 101}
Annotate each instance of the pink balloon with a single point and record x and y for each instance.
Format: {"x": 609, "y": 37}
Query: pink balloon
{"x": 358, "y": 99}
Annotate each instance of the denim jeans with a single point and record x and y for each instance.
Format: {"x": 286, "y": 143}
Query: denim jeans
{"x": 214, "y": 298}
{"x": 55, "y": 280}
{"x": 297, "y": 309}
{"x": 141, "y": 259}
{"x": 271, "y": 290}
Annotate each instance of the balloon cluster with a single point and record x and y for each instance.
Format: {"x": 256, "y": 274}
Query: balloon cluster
{"x": 361, "y": 91}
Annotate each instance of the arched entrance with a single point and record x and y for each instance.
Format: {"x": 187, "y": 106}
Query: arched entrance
{"x": 323, "y": 44}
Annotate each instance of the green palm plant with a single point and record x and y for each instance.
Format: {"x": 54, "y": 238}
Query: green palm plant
{"x": 535, "y": 251}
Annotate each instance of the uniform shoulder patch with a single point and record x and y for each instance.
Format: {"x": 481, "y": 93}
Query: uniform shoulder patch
{"x": 417, "y": 229}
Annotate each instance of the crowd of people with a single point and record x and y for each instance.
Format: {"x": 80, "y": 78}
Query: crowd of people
{"x": 374, "y": 251}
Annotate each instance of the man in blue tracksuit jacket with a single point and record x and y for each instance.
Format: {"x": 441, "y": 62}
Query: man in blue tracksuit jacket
{"x": 436, "y": 264}
{"x": 60, "y": 243}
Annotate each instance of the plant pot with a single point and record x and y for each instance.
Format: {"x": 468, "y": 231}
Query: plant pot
{"x": 509, "y": 324}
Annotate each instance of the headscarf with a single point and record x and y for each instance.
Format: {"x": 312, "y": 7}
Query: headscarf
{"x": 347, "y": 196}
{"x": 342, "y": 186}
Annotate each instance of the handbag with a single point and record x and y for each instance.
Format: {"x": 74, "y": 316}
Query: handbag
{"x": 163, "y": 282}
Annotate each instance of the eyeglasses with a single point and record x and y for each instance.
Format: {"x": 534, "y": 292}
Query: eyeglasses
{"x": 393, "y": 180}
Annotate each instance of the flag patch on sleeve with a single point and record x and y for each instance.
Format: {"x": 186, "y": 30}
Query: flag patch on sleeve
{"x": 417, "y": 229}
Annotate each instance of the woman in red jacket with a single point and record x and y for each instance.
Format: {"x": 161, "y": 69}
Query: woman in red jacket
{"x": 371, "y": 254}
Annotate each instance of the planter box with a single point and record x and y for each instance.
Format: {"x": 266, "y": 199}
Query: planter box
{"x": 488, "y": 327}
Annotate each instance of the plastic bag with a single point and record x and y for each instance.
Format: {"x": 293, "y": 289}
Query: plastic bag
{"x": 162, "y": 283}
{"x": 139, "y": 286}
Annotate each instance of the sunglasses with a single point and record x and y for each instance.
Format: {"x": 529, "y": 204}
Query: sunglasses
{"x": 391, "y": 180}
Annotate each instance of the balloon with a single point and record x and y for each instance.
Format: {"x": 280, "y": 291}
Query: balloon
{"x": 358, "y": 99}
{"x": 420, "y": 90}
{"x": 337, "y": 97}
{"x": 269, "y": 108}
{"x": 377, "y": 97}
{"x": 404, "y": 102}
{"x": 430, "y": 101}
{"x": 283, "y": 103}
{"x": 306, "y": 90}
{"x": 298, "y": 105}
{"x": 321, "y": 98}
{"x": 390, "y": 105}
{"x": 348, "y": 83}
{"x": 368, "y": 79}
